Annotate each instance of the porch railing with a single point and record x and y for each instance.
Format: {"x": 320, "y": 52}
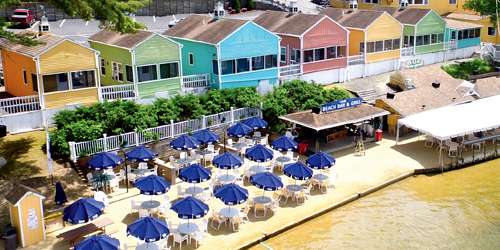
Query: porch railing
{"x": 19, "y": 104}
{"x": 290, "y": 70}
{"x": 407, "y": 51}
{"x": 195, "y": 81}
{"x": 109, "y": 143}
{"x": 358, "y": 59}
{"x": 115, "y": 92}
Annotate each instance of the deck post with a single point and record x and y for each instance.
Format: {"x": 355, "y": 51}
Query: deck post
{"x": 397, "y": 132}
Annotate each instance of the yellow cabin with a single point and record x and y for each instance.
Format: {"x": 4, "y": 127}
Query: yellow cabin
{"x": 374, "y": 34}
{"x": 26, "y": 214}
{"x": 59, "y": 71}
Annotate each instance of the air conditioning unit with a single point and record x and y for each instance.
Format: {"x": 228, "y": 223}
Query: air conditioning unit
{"x": 403, "y": 4}
{"x": 353, "y": 5}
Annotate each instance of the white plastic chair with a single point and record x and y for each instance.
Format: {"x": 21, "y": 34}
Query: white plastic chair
{"x": 198, "y": 237}
{"x": 143, "y": 165}
{"x": 182, "y": 155}
{"x": 211, "y": 147}
{"x": 178, "y": 238}
{"x": 257, "y": 134}
{"x": 143, "y": 213}
{"x": 230, "y": 142}
{"x": 102, "y": 197}
{"x": 134, "y": 205}
{"x": 90, "y": 178}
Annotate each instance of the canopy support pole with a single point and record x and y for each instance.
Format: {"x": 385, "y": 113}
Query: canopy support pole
{"x": 397, "y": 132}
{"x": 441, "y": 161}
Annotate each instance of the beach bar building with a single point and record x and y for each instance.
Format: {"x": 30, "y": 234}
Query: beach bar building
{"x": 55, "y": 73}
{"x": 313, "y": 46}
{"x": 141, "y": 65}
{"x": 234, "y": 53}
{"x": 374, "y": 40}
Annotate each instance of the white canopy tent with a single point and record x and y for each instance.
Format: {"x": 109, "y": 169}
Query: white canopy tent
{"x": 458, "y": 120}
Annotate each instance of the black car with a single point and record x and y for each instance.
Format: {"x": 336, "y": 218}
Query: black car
{"x": 321, "y": 2}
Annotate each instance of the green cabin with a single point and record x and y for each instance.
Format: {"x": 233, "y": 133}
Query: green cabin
{"x": 141, "y": 65}
{"x": 423, "y": 30}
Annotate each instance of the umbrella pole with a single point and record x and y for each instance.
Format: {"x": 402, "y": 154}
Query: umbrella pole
{"x": 126, "y": 175}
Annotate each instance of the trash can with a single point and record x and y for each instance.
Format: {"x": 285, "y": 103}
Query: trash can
{"x": 3, "y": 130}
{"x": 10, "y": 238}
{"x": 378, "y": 135}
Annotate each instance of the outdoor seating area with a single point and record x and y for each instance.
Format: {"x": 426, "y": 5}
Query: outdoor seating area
{"x": 216, "y": 191}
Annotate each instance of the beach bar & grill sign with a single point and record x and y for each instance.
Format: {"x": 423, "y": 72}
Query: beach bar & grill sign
{"x": 341, "y": 104}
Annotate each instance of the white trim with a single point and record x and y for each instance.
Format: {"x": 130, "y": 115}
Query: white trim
{"x": 191, "y": 40}
{"x": 107, "y": 44}
{"x": 431, "y": 10}
{"x": 158, "y": 73}
{"x": 42, "y": 220}
{"x": 245, "y": 24}
{"x": 189, "y": 58}
{"x": 326, "y": 59}
{"x": 134, "y": 74}
{"x": 379, "y": 114}
{"x": 21, "y": 225}
{"x": 143, "y": 40}
{"x": 118, "y": 73}
{"x": 63, "y": 40}
{"x": 385, "y": 13}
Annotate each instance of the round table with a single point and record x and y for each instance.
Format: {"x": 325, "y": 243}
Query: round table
{"x": 255, "y": 169}
{"x": 293, "y": 188}
{"x": 147, "y": 246}
{"x": 257, "y": 138}
{"x": 194, "y": 190}
{"x": 204, "y": 152}
{"x": 184, "y": 161}
{"x": 239, "y": 145}
{"x": 320, "y": 177}
{"x": 151, "y": 204}
{"x": 226, "y": 179}
{"x": 140, "y": 172}
{"x": 262, "y": 199}
{"x": 283, "y": 159}
{"x": 188, "y": 228}
{"x": 229, "y": 212}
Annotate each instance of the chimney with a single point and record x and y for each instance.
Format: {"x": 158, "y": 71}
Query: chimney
{"x": 219, "y": 11}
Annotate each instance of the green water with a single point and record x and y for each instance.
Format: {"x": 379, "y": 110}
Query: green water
{"x": 455, "y": 210}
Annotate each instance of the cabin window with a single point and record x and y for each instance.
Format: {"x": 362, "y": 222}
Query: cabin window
{"x": 453, "y": 35}
{"x": 440, "y": 38}
{"x": 169, "y": 70}
{"x": 477, "y": 32}
{"x": 308, "y": 55}
{"x": 191, "y": 59}
{"x": 465, "y": 34}
{"x": 319, "y": 54}
{"x": 228, "y": 67}
{"x": 387, "y": 45}
{"x": 434, "y": 38}
{"x": 418, "y": 1}
{"x": 283, "y": 55}
{"x": 271, "y": 61}
{"x": 82, "y": 79}
{"x": 331, "y": 52}
{"x": 103, "y": 66}
{"x": 25, "y": 77}
{"x": 371, "y": 1}
{"x": 452, "y": 1}
{"x": 215, "y": 67}
{"x": 295, "y": 56}
{"x": 370, "y": 47}
{"x": 147, "y": 73}
{"x": 55, "y": 82}
{"x": 243, "y": 65}
{"x": 34, "y": 82}
{"x": 396, "y": 43}
{"x": 117, "y": 72}
{"x": 409, "y": 41}
{"x": 128, "y": 73}
{"x": 257, "y": 62}
{"x": 379, "y": 46}
{"x": 491, "y": 31}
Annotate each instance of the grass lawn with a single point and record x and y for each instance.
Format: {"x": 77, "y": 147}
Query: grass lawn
{"x": 463, "y": 70}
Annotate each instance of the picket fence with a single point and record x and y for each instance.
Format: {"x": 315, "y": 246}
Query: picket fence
{"x": 110, "y": 143}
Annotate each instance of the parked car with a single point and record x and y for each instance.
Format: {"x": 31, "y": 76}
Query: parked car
{"x": 321, "y": 2}
{"x": 23, "y": 18}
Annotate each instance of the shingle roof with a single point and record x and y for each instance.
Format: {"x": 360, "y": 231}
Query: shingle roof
{"x": 285, "y": 23}
{"x": 47, "y": 41}
{"x": 129, "y": 40}
{"x": 335, "y": 118}
{"x": 18, "y": 191}
{"x": 359, "y": 19}
{"x": 468, "y": 17}
{"x": 460, "y": 25}
{"x": 205, "y": 28}
{"x": 411, "y": 15}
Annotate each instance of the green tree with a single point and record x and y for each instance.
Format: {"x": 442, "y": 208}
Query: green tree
{"x": 236, "y": 5}
{"x": 489, "y": 8}
{"x": 250, "y": 5}
{"x": 113, "y": 14}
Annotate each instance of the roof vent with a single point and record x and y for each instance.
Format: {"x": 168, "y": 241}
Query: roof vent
{"x": 390, "y": 95}
{"x": 403, "y": 4}
{"x": 353, "y": 5}
{"x": 436, "y": 84}
{"x": 219, "y": 11}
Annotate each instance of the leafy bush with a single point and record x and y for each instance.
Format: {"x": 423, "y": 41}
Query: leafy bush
{"x": 463, "y": 70}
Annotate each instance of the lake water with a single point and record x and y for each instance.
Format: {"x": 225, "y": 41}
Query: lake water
{"x": 455, "y": 210}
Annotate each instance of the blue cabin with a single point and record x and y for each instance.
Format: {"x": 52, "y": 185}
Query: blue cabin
{"x": 462, "y": 34}
{"x": 235, "y": 53}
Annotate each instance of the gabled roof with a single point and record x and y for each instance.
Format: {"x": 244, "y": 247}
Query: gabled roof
{"x": 460, "y": 25}
{"x": 47, "y": 41}
{"x": 205, "y": 28}
{"x": 358, "y": 19}
{"x": 128, "y": 40}
{"x": 18, "y": 191}
{"x": 468, "y": 17}
{"x": 286, "y": 23}
{"x": 410, "y": 15}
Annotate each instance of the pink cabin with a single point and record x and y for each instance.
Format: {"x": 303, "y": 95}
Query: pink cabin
{"x": 314, "y": 46}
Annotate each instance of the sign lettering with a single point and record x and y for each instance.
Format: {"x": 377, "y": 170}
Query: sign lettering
{"x": 341, "y": 104}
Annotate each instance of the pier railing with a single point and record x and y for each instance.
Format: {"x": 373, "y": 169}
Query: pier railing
{"x": 115, "y": 92}
{"x": 290, "y": 70}
{"x": 19, "y": 104}
{"x": 354, "y": 60}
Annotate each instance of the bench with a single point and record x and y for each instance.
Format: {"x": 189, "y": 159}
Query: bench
{"x": 96, "y": 227}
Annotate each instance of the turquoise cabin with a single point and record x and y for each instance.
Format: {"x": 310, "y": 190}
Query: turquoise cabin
{"x": 234, "y": 53}
{"x": 462, "y": 34}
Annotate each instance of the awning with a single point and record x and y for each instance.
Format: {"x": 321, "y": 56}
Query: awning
{"x": 458, "y": 120}
{"x": 334, "y": 119}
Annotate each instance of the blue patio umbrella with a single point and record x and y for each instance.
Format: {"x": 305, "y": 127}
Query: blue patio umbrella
{"x": 98, "y": 242}
{"x": 105, "y": 160}
{"x": 60, "y": 198}
{"x": 190, "y": 208}
{"x": 83, "y": 210}
{"x": 184, "y": 142}
{"x": 239, "y": 130}
{"x": 284, "y": 143}
{"x": 320, "y": 160}
{"x": 259, "y": 153}
{"x": 255, "y": 122}
{"x": 152, "y": 185}
{"x": 266, "y": 181}
{"x": 148, "y": 229}
{"x": 141, "y": 154}
{"x": 298, "y": 171}
{"x": 195, "y": 173}
{"x": 231, "y": 194}
{"x": 205, "y": 136}
{"x": 227, "y": 161}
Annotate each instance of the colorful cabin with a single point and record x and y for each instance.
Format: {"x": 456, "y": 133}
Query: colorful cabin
{"x": 26, "y": 214}
{"x": 235, "y": 53}
{"x": 462, "y": 35}
{"x": 374, "y": 39}
{"x": 489, "y": 33}
{"x": 440, "y": 6}
{"x": 314, "y": 46}
{"x": 148, "y": 63}
{"x": 57, "y": 70}
{"x": 423, "y": 30}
